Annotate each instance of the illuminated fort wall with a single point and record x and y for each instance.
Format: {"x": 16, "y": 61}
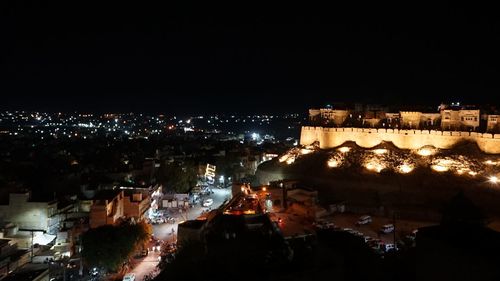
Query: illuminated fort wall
{"x": 404, "y": 139}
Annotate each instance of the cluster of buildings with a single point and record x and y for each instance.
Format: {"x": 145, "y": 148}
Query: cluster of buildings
{"x": 282, "y": 208}
{"x": 452, "y": 117}
{"x": 34, "y": 232}
{"x": 75, "y": 125}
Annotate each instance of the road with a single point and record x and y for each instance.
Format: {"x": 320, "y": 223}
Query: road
{"x": 164, "y": 232}
{"x": 145, "y": 265}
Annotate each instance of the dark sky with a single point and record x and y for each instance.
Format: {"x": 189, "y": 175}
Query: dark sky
{"x": 188, "y": 58}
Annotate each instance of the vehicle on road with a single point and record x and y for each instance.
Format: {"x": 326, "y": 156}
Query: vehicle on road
{"x": 129, "y": 277}
{"x": 208, "y": 202}
{"x": 364, "y": 220}
{"x": 357, "y": 233}
{"x": 413, "y": 235}
{"x": 387, "y": 228}
{"x": 389, "y": 247}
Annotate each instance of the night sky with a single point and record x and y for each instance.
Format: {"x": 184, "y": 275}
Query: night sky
{"x": 120, "y": 57}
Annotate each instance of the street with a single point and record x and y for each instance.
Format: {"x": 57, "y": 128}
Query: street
{"x": 146, "y": 265}
{"x": 164, "y": 232}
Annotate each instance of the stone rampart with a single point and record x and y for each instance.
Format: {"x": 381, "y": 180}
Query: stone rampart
{"x": 403, "y": 139}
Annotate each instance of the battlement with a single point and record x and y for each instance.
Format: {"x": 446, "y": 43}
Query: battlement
{"x": 403, "y": 139}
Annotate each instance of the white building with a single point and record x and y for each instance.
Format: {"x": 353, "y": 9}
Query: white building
{"x": 329, "y": 116}
{"x": 460, "y": 119}
{"x": 28, "y": 214}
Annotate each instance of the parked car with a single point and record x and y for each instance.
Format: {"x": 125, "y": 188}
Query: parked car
{"x": 355, "y": 232}
{"x": 367, "y": 239}
{"x": 208, "y": 202}
{"x": 364, "y": 220}
{"x": 388, "y": 228}
{"x": 389, "y": 247}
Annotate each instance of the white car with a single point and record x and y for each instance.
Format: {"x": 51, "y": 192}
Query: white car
{"x": 388, "y": 228}
{"x": 364, "y": 220}
{"x": 208, "y": 202}
{"x": 389, "y": 247}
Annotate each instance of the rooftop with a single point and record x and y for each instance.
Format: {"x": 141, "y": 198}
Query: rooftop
{"x": 244, "y": 205}
{"x": 107, "y": 194}
{"x": 28, "y": 272}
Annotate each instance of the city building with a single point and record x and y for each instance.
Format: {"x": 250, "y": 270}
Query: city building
{"x": 107, "y": 208}
{"x": 31, "y": 214}
{"x": 11, "y": 257}
{"x": 459, "y": 118}
{"x": 30, "y": 272}
{"x": 136, "y": 204}
{"x": 493, "y": 123}
{"x": 110, "y": 206}
{"x": 328, "y": 116}
{"x": 418, "y": 120}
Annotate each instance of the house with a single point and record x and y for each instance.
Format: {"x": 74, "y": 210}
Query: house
{"x": 493, "y": 123}
{"x": 110, "y": 206}
{"x": 107, "y": 208}
{"x": 136, "y": 204}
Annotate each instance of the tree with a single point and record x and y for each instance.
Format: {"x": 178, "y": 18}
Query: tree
{"x": 111, "y": 246}
{"x": 178, "y": 178}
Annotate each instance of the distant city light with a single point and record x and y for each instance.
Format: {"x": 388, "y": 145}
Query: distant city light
{"x": 255, "y": 136}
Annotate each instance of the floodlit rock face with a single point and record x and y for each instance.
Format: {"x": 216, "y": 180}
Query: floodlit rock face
{"x": 416, "y": 182}
{"x": 403, "y": 139}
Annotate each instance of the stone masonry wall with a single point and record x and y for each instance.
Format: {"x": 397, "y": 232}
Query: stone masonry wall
{"x": 404, "y": 139}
